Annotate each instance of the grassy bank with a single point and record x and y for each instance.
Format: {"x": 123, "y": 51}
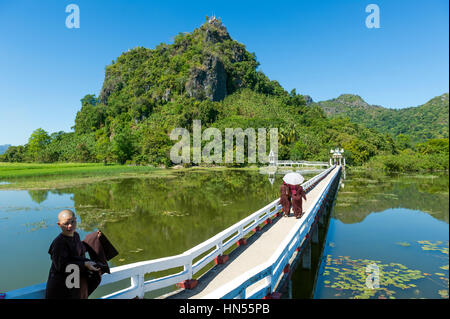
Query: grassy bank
{"x": 20, "y": 170}
{"x": 31, "y": 176}
{"x": 61, "y": 175}
{"x": 406, "y": 163}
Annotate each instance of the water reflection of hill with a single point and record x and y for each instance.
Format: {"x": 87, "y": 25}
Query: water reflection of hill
{"x": 166, "y": 216}
{"x": 365, "y": 193}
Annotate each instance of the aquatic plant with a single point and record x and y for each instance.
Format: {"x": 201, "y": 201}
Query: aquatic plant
{"x": 37, "y": 225}
{"x": 443, "y": 293}
{"x": 349, "y": 278}
{"x": 434, "y": 246}
{"x": 403, "y": 244}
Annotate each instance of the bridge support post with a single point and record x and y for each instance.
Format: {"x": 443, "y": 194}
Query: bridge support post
{"x": 242, "y": 242}
{"x": 321, "y": 218}
{"x": 188, "y": 284}
{"x": 315, "y": 234}
{"x": 274, "y": 295}
{"x": 221, "y": 259}
{"x": 306, "y": 256}
{"x": 290, "y": 289}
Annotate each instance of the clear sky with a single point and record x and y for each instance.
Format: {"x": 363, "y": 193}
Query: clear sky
{"x": 321, "y": 48}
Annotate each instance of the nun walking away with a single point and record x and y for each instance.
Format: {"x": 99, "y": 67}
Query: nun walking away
{"x": 296, "y": 192}
{"x": 297, "y": 204}
{"x": 285, "y": 198}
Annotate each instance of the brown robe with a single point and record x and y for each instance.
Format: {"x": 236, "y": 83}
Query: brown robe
{"x": 285, "y": 198}
{"x": 100, "y": 250}
{"x": 297, "y": 203}
{"x": 66, "y": 250}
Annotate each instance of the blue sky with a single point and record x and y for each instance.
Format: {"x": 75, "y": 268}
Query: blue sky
{"x": 320, "y": 48}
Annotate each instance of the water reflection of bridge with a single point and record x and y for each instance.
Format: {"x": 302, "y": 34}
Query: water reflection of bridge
{"x": 284, "y": 167}
{"x": 250, "y": 259}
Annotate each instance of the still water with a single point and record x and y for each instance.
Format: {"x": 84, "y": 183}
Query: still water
{"x": 398, "y": 223}
{"x": 388, "y": 237}
{"x": 144, "y": 218}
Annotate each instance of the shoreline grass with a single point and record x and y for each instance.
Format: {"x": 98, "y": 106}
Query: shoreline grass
{"x": 19, "y": 170}
{"x": 32, "y": 176}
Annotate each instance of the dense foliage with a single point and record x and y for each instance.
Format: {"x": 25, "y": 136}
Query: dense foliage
{"x": 204, "y": 75}
{"x": 432, "y": 155}
{"x": 413, "y": 124}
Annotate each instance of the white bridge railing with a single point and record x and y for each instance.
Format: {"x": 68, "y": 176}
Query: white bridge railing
{"x": 213, "y": 247}
{"x": 299, "y": 163}
{"x": 261, "y": 281}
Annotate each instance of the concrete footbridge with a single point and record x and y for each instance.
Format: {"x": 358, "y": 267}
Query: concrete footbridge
{"x": 300, "y": 164}
{"x": 249, "y": 260}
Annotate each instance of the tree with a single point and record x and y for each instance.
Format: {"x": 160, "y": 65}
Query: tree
{"x": 37, "y": 142}
{"x": 123, "y": 144}
{"x": 15, "y": 154}
{"x": 103, "y": 147}
{"x": 155, "y": 145}
{"x": 403, "y": 141}
{"x": 91, "y": 116}
{"x": 434, "y": 146}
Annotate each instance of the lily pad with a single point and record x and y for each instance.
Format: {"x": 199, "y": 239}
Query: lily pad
{"x": 443, "y": 293}
{"x": 350, "y": 278}
{"x": 403, "y": 244}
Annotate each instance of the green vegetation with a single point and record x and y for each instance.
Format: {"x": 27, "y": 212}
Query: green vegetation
{"x": 18, "y": 170}
{"x": 205, "y": 75}
{"x": 432, "y": 155}
{"x": 347, "y": 278}
{"x": 38, "y": 176}
{"x": 435, "y": 246}
{"x": 410, "y": 125}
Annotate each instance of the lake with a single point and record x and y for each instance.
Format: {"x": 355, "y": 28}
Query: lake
{"x": 393, "y": 226}
{"x": 398, "y": 223}
{"x": 144, "y": 218}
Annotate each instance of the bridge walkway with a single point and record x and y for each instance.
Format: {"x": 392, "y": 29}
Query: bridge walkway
{"x": 260, "y": 250}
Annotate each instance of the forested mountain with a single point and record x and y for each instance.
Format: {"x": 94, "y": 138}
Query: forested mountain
{"x": 420, "y": 123}
{"x": 209, "y": 76}
{"x": 204, "y": 75}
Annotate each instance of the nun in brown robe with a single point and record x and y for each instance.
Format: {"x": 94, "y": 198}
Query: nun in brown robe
{"x": 285, "y": 198}
{"x": 298, "y": 193}
{"x": 66, "y": 250}
{"x": 100, "y": 250}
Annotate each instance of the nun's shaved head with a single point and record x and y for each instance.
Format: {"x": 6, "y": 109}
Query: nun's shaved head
{"x": 67, "y": 221}
{"x": 65, "y": 214}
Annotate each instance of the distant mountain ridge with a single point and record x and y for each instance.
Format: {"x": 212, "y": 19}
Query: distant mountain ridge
{"x": 3, "y": 148}
{"x": 422, "y": 122}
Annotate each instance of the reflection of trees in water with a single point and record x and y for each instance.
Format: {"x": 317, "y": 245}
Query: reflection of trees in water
{"x": 166, "y": 216}
{"x": 38, "y": 196}
{"x": 365, "y": 193}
